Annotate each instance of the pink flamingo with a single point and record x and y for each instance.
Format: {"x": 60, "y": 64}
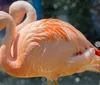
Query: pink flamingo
{"x": 46, "y": 48}
{"x": 18, "y": 9}
{"x": 34, "y": 53}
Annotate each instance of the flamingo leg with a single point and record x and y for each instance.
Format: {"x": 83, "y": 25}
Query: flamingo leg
{"x": 52, "y": 82}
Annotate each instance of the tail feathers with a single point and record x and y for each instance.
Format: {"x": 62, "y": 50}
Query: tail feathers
{"x": 97, "y": 52}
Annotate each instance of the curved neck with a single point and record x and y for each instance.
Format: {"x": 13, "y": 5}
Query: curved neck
{"x": 19, "y": 9}
{"x": 7, "y": 22}
{"x": 10, "y": 31}
{"x": 31, "y": 17}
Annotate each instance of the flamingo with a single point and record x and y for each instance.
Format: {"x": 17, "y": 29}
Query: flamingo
{"x": 18, "y": 9}
{"x": 46, "y": 48}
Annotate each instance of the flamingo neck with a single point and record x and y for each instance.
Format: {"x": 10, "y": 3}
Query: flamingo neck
{"x": 10, "y": 31}
{"x": 18, "y": 9}
{"x": 5, "y": 49}
{"x": 29, "y": 18}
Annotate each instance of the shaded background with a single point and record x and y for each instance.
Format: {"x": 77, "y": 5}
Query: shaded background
{"x": 83, "y": 14}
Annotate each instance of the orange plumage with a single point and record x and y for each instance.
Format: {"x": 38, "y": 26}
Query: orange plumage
{"x": 46, "y": 48}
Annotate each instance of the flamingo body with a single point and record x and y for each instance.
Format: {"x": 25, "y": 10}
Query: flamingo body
{"x": 42, "y": 48}
{"x": 46, "y": 48}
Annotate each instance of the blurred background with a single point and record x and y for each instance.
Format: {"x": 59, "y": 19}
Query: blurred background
{"x": 83, "y": 14}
